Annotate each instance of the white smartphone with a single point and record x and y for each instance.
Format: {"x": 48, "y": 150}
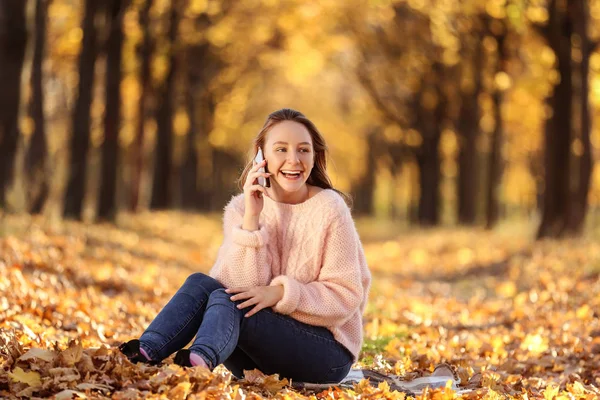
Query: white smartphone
{"x": 262, "y": 181}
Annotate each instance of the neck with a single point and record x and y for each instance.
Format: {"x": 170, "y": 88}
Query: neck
{"x": 281, "y": 196}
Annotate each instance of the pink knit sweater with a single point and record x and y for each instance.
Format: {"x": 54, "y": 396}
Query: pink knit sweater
{"x": 313, "y": 250}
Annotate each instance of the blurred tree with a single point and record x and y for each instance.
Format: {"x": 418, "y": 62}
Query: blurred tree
{"x": 80, "y": 134}
{"x": 203, "y": 67}
{"x": 163, "y": 164}
{"x": 13, "y": 39}
{"x": 564, "y": 207}
{"x": 467, "y": 126}
{"x": 112, "y": 115}
{"x": 138, "y": 155}
{"x": 579, "y": 12}
{"x": 402, "y": 71}
{"x": 36, "y": 157}
{"x": 498, "y": 30}
{"x": 364, "y": 189}
{"x": 429, "y": 109}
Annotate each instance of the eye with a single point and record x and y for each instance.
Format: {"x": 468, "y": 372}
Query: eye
{"x": 280, "y": 149}
{"x": 305, "y": 150}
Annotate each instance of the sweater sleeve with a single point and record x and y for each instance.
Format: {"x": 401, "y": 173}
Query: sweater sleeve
{"x": 338, "y": 293}
{"x": 242, "y": 260}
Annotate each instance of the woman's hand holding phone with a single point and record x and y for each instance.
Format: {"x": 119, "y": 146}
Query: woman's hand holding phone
{"x": 253, "y": 196}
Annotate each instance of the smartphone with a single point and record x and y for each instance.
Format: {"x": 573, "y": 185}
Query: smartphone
{"x": 262, "y": 181}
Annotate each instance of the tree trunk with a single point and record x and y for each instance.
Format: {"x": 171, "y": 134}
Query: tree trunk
{"x": 139, "y": 161}
{"x": 189, "y": 167}
{"x": 209, "y": 189}
{"x": 80, "y": 135}
{"x": 363, "y": 194}
{"x": 428, "y": 160}
{"x": 164, "y": 117}
{"x": 579, "y": 204}
{"x": 430, "y": 122}
{"x": 13, "y": 39}
{"x": 468, "y": 128}
{"x": 112, "y": 116}
{"x": 558, "y": 129}
{"x": 37, "y": 153}
{"x": 495, "y": 156}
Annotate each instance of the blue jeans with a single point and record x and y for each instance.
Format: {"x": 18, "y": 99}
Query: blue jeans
{"x": 268, "y": 341}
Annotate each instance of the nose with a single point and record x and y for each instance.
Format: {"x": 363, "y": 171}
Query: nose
{"x": 292, "y": 157}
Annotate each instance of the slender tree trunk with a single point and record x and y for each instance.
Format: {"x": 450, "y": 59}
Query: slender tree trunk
{"x": 112, "y": 116}
{"x": 468, "y": 128}
{"x": 80, "y": 135}
{"x": 558, "y": 129}
{"x": 164, "y": 117}
{"x": 363, "y": 195}
{"x": 13, "y": 40}
{"x": 208, "y": 174}
{"x": 140, "y": 163}
{"x": 37, "y": 153}
{"x": 429, "y": 181}
{"x": 428, "y": 156}
{"x": 495, "y": 156}
{"x": 579, "y": 204}
{"x": 189, "y": 167}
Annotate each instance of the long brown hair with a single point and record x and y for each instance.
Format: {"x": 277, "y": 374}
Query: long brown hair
{"x": 318, "y": 175}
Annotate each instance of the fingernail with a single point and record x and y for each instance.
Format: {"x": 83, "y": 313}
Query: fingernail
{"x": 246, "y": 315}
{"x": 239, "y": 307}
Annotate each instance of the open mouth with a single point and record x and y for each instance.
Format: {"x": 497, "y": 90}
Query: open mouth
{"x": 292, "y": 175}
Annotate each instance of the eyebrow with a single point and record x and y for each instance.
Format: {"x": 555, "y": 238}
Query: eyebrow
{"x": 279, "y": 142}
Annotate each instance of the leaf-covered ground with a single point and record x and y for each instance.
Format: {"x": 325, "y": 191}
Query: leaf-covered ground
{"x": 513, "y": 317}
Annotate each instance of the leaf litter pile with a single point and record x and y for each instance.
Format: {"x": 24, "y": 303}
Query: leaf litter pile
{"x": 512, "y": 317}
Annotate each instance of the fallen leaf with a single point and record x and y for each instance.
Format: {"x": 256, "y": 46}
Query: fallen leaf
{"x": 30, "y": 378}
{"x": 68, "y": 394}
{"x": 72, "y": 354}
{"x": 42, "y": 354}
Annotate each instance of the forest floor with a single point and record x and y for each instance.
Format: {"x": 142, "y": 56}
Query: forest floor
{"x": 513, "y": 317}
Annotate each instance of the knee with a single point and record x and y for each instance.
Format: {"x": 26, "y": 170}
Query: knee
{"x": 203, "y": 282}
{"x": 198, "y": 278}
{"x": 220, "y": 296}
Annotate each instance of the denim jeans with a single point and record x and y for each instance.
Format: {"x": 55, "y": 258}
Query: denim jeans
{"x": 268, "y": 341}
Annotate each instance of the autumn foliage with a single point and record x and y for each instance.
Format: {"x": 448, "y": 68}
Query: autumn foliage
{"x": 514, "y": 318}
{"x": 436, "y": 111}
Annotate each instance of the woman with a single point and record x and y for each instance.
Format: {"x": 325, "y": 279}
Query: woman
{"x": 290, "y": 283}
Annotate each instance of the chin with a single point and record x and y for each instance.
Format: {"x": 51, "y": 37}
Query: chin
{"x": 291, "y": 187}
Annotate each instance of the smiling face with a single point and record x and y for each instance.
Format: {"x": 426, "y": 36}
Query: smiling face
{"x": 290, "y": 156}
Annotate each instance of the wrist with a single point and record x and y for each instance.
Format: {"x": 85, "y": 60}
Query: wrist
{"x": 250, "y": 223}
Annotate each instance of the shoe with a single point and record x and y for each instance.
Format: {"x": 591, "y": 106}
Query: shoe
{"x": 182, "y": 358}
{"x": 131, "y": 350}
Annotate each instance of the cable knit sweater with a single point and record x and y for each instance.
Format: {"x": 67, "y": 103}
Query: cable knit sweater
{"x": 313, "y": 250}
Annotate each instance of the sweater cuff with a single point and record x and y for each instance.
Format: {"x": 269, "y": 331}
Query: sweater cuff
{"x": 291, "y": 294}
{"x": 248, "y": 238}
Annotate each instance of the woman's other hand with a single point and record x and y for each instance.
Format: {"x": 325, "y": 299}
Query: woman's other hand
{"x": 260, "y": 297}
{"x": 253, "y": 196}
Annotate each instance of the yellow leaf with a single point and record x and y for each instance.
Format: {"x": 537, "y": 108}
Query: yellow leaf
{"x": 535, "y": 344}
{"x": 507, "y": 289}
{"x": 31, "y": 378}
{"x": 551, "y": 392}
{"x": 577, "y": 389}
{"x": 583, "y": 312}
